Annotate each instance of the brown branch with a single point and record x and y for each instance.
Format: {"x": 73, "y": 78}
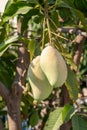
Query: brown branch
{"x": 21, "y": 70}
{"x": 80, "y": 39}
{"x": 72, "y": 30}
{"x": 4, "y": 92}
{"x": 79, "y": 48}
{"x": 22, "y": 66}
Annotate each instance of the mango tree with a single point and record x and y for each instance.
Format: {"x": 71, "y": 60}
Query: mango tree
{"x": 43, "y": 64}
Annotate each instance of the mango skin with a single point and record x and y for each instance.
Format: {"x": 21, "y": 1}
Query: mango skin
{"x": 40, "y": 85}
{"x": 53, "y": 66}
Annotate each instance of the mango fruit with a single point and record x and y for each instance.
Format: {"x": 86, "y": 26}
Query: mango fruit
{"x": 53, "y": 65}
{"x": 40, "y": 85}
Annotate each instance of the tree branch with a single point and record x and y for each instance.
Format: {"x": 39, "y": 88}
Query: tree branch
{"x": 79, "y": 48}
{"x": 80, "y": 39}
{"x": 72, "y": 30}
{"x": 21, "y": 70}
{"x": 22, "y": 66}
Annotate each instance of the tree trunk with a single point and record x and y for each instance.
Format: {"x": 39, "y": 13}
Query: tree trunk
{"x": 14, "y": 99}
{"x": 1, "y": 125}
{"x": 14, "y": 115}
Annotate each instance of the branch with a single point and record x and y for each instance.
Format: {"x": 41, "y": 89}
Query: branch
{"x": 72, "y": 30}
{"x": 21, "y": 67}
{"x": 79, "y": 48}
{"x": 80, "y": 39}
{"x": 21, "y": 70}
{"x": 4, "y": 92}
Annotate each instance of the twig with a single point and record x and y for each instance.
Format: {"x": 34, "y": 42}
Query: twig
{"x": 72, "y": 30}
{"x": 59, "y": 36}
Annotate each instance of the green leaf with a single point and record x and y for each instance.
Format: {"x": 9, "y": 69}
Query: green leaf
{"x": 67, "y": 112}
{"x": 3, "y": 32}
{"x": 27, "y": 17}
{"x": 34, "y": 118}
{"x": 54, "y": 20}
{"x": 71, "y": 62}
{"x": 72, "y": 84}
{"x": 79, "y": 123}
{"x": 5, "y": 45}
{"x": 33, "y": 1}
{"x": 15, "y": 8}
{"x": 64, "y": 3}
{"x": 69, "y": 4}
{"x": 55, "y": 120}
{"x": 81, "y": 17}
{"x": 31, "y": 48}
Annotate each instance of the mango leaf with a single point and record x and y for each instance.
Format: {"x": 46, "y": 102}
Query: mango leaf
{"x": 69, "y": 4}
{"x": 34, "y": 118}
{"x": 79, "y": 123}
{"x": 31, "y": 48}
{"x": 5, "y": 45}
{"x": 15, "y": 8}
{"x": 81, "y": 17}
{"x": 67, "y": 112}
{"x": 55, "y": 120}
{"x": 59, "y": 116}
{"x": 27, "y": 17}
{"x": 72, "y": 84}
{"x": 64, "y": 3}
{"x": 54, "y": 23}
{"x": 33, "y": 1}
{"x": 71, "y": 62}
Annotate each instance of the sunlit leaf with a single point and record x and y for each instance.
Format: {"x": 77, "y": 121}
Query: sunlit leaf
{"x": 72, "y": 84}
{"x": 67, "y": 112}
{"x": 5, "y": 45}
{"x": 31, "y": 48}
{"x": 55, "y": 120}
{"x": 20, "y": 7}
{"x": 27, "y": 17}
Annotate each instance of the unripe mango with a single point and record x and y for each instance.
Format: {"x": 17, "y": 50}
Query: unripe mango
{"x": 53, "y": 65}
{"x": 40, "y": 85}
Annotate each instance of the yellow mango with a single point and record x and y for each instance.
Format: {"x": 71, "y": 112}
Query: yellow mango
{"x": 53, "y": 65}
{"x": 40, "y": 85}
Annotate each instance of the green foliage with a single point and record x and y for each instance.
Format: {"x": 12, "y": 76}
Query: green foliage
{"x": 7, "y": 43}
{"x": 72, "y": 85}
{"x": 55, "y": 120}
{"x": 15, "y": 8}
{"x": 31, "y": 47}
{"x": 67, "y": 112}
{"x": 79, "y": 123}
{"x": 58, "y": 117}
{"x": 34, "y": 118}
{"x": 7, "y": 68}
{"x": 41, "y": 19}
{"x": 81, "y": 5}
